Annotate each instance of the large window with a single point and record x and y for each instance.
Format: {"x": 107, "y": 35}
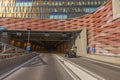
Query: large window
{"x": 23, "y": 2}
{"x": 58, "y": 16}
{"x": 56, "y": 9}
{"x": 89, "y": 9}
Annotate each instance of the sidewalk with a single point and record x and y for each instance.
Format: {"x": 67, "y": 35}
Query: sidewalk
{"x": 109, "y": 59}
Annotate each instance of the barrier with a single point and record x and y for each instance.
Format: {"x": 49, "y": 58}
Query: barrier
{"x": 9, "y": 63}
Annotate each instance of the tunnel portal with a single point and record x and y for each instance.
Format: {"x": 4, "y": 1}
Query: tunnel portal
{"x": 43, "y": 41}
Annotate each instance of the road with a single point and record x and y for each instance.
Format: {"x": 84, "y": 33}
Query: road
{"x": 105, "y": 70}
{"x": 47, "y": 67}
{"x": 44, "y": 67}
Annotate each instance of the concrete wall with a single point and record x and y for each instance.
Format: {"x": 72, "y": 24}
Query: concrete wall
{"x": 116, "y": 8}
{"x": 114, "y": 60}
{"x": 7, "y": 64}
{"x": 81, "y": 43}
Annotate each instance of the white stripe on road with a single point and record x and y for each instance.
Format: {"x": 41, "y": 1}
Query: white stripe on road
{"x": 69, "y": 72}
{"x": 80, "y": 71}
{"x": 15, "y": 69}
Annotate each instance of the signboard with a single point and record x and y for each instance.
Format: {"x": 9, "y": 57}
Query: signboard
{"x": 28, "y": 48}
{"x": 2, "y": 28}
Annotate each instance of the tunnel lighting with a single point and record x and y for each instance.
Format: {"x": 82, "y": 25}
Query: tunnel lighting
{"x": 18, "y": 34}
{"x": 64, "y": 35}
{"x": 12, "y": 42}
{"x": 46, "y": 34}
{"x": 71, "y": 37}
{"x": 4, "y": 33}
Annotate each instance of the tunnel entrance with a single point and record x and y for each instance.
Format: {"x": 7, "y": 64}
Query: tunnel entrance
{"x": 43, "y": 41}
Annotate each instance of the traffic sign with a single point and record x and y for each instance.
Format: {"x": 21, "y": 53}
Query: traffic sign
{"x": 28, "y": 48}
{"x": 2, "y": 28}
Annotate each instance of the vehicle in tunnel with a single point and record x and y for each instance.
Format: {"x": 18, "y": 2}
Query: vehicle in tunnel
{"x": 70, "y": 53}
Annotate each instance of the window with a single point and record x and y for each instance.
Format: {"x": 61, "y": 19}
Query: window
{"x": 23, "y": 2}
{"x": 58, "y": 16}
{"x": 90, "y": 8}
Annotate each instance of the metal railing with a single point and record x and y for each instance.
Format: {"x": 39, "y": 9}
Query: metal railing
{"x": 7, "y": 51}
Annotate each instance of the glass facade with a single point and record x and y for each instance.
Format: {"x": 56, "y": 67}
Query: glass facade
{"x": 53, "y": 9}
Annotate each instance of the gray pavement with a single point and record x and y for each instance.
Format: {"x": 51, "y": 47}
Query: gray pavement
{"x": 44, "y": 67}
{"x": 108, "y": 72}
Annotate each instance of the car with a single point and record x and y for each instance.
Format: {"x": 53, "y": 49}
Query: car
{"x": 70, "y": 53}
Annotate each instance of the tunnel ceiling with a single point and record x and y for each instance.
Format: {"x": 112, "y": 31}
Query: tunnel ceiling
{"x": 45, "y": 38}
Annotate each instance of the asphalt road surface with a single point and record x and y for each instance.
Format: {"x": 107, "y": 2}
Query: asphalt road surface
{"x": 44, "y": 67}
{"x": 105, "y": 70}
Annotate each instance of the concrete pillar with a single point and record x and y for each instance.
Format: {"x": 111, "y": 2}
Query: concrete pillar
{"x": 81, "y": 43}
{"x": 116, "y": 7}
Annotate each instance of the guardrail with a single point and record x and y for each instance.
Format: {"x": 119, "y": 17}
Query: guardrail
{"x": 9, "y": 63}
{"x": 8, "y": 51}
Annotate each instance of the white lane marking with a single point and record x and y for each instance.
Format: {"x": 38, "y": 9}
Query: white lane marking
{"x": 83, "y": 69}
{"x": 103, "y": 63}
{"x": 16, "y": 73}
{"x": 74, "y": 78}
{"x": 80, "y": 73}
{"x": 15, "y": 69}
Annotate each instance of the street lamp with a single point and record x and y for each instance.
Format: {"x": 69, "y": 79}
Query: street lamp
{"x": 28, "y": 29}
{"x": 28, "y": 42}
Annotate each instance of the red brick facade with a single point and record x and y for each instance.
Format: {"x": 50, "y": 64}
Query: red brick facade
{"x": 103, "y": 31}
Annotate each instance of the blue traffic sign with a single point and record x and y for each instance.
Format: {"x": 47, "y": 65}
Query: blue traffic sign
{"x": 2, "y": 28}
{"x": 93, "y": 50}
{"x": 28, "y": 48}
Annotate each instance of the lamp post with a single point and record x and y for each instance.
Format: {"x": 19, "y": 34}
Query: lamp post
{"x": 2, "y": 28}
{"x": 28, "y": 29}
{"x": 28, "y": 42}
